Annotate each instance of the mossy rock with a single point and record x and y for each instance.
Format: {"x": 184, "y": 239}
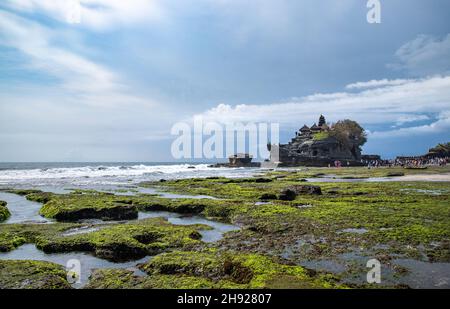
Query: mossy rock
{"x": 4, "y": 212}
{"x": 395, "y": 174}
{"x": 73, "y": 207}
{"x": 115, "y": 242}
{"x": 15, "y": 235}
{"x": 123, "y": 242}
{"x": 21, "y": 192}
{"x": 32, "y": 275}
{"x": 125, "y": 279}
{"x": 236, "y": 269}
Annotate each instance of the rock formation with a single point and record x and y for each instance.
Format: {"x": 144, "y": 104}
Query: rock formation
{"x": 314, "y": 146}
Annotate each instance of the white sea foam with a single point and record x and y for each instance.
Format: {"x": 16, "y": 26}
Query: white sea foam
{"x": 113, "y": 174}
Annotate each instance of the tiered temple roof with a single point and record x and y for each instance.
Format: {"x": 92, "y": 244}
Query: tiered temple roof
{"x": 305, "y": 128}
{"x": 315, "y": 127}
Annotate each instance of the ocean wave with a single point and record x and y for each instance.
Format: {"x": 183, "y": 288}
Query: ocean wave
{"x": 100, "y": 171}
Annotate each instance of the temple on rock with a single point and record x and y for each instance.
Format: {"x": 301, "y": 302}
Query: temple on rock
{"x": 314, "y": 146}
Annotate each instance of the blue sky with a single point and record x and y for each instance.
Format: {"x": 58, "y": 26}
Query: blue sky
{"x": 111, "y": 87}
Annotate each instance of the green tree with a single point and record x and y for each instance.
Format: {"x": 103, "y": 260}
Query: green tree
{"x": 440, "y": 150}
{"x": 350, "y": 134}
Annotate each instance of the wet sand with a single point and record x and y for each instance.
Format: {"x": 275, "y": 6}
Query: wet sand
{"x": 423, "y": 177}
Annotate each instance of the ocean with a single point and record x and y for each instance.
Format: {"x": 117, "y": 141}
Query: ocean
{"x": 102, "y": 175}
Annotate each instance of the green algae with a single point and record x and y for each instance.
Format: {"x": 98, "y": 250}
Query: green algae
{"x": 32, "y": 275}
{"x": 4, "y": 212}
{"x": 72, "y": 207}
{"x": 15, "y": 235}
{"x": 236, "y": 269}
{"x": 390, "y": 215}
{"x": 124, "y": 279}
{"x": 115, "y": 242}
{"x": 212, "y": 269}
{"x": 401, "y": 219}
{"x": 128, "y": 241}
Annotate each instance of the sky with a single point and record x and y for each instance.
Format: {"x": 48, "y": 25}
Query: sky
{"x": 111, "y": 86}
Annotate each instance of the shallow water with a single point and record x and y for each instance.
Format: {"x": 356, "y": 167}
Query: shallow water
{"x": 87, "y": 261}
{"x": 141, "y": 190}
{"x": 21, "y": 209}
{"x": 81, "y": 230}
{"x": 425, "y": 275}
{"x": 420, "y": 275}
{"x": 355, "y": 230}
{"x": 213, "y": 235}
{"x": 332, "y": 179}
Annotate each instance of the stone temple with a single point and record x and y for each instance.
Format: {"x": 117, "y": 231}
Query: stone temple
{"x": 313, "y": 146}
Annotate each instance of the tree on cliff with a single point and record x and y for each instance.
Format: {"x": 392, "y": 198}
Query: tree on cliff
{"x": 350, "y": 134}
{"x": 441, "y": 150}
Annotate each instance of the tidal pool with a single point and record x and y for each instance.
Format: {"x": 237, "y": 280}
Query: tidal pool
{"x": 21, "y": 209}
{"x": 425, "y": 275}
{"x": 86, "y": 261}
{"x": 218, "y": 228}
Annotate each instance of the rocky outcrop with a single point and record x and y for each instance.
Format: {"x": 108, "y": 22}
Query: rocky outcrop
{"x": 32, "y": 275}
{"x": 289, "y": 194}
{"x": 4, "y": 212}
{"x": 314, "y": 147}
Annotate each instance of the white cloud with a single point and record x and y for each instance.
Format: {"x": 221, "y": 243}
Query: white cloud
{"x": 84, "y": 104}
{"x": 425, "y": 55}
{"x": 95, "y": 14}
{"x": 441, "y": 125}
{"x": 76, "y": 74}
{"x": 411, "y": 118}
{"x": 406, "y": 102}
{"x": 378, "y": 83}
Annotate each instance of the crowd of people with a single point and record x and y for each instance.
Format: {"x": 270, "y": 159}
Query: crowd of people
{"x": 408, "y": 162}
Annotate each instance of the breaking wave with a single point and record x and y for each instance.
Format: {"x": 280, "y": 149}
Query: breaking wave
{"x": 119, "y": 173}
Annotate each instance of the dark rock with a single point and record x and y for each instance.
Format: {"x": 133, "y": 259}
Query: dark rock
{"x": 359, "y": 193}
{"x": 118, "y": 212}
{"x": 263, "y": 180}
{"x": 306, "y": 189}
{"x": 395, "y": 174}
{"x": 268, "y": 196}
{"x": 333, "y": 192}
{"x": 289, "y": 194}
{"x": 238, "y": 272}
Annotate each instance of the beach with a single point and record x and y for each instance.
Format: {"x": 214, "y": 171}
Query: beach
{"x": 223, "y": 227}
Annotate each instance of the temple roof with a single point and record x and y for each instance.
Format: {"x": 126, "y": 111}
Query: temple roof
{"x": 315, "y": 127}
{"x": 304, "y": 128}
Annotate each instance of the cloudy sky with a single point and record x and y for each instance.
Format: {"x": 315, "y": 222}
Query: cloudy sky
{"x": 110, "y": 87}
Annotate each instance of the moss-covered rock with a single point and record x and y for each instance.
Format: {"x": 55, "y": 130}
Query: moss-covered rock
{"x": 15, "y": 235}
{"x": 115, "y": 242}
{"x": 122, "y": 242}
{"x": 236, "y": 270}
{"x": 22, "y": 192}
{"x": 4, "y": 212}
{"x": 73, "y": 207}
{"x": 125, "y": 279}
{"x": 32, "y": 275}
